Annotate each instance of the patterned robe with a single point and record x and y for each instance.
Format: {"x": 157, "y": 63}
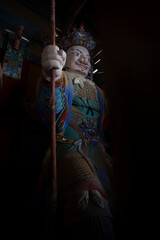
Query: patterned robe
{"x": 84, "y": 169}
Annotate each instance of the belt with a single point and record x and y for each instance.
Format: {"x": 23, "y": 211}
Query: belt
{"x": 65, "y": 139}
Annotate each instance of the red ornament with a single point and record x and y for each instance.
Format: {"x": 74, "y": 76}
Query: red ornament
{"x": 18, "y": 38}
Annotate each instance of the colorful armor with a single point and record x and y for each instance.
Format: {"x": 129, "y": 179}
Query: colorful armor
{"x": 84, "y": 170}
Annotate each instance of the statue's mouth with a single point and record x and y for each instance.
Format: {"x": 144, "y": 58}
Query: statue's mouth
{"x": 82, "y": 66}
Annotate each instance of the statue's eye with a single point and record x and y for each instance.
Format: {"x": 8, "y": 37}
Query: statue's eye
{"x": 77, "y": 54}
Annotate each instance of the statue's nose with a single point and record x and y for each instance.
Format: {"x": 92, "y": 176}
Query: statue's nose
{"x": 83, "y": 59}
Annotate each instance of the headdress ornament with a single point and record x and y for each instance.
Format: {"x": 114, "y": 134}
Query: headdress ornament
{"x": 79, "y": 36}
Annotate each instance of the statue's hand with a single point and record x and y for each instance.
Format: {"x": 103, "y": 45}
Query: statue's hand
{"x": 53, "y": 57}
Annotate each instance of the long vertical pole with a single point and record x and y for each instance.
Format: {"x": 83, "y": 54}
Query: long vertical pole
{"x": 53, "y": 118}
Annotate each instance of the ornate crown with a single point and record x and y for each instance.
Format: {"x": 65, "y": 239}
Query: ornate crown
{"x": 79, "y": 36}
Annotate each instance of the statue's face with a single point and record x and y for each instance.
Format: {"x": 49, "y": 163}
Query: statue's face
{"x": 78, "y": 60}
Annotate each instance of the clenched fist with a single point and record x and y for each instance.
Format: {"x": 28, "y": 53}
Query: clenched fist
{"x": 53, "y": 57}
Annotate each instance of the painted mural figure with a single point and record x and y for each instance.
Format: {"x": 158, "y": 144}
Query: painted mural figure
{"x": 84, "y": 169}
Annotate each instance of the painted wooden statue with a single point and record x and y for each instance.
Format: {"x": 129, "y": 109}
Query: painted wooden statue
{"x": 84, "y": 169}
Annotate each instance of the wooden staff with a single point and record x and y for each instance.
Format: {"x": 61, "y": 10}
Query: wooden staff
{"x": 53, "y": 117}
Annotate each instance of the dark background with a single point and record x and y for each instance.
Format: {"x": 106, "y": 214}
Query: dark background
{"x": 130, "y": 34}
